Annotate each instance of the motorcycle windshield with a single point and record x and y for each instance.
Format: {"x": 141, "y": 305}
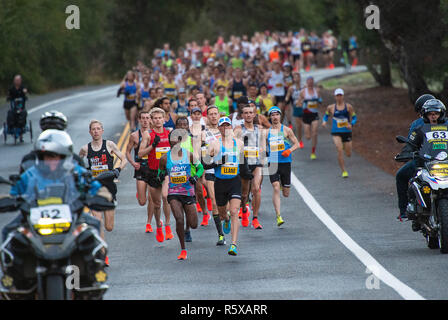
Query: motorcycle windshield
{"x": 435, "y": 149}
{"x": 49, "y": 182}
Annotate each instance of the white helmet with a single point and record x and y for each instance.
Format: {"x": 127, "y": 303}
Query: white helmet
{"x": 54, "y": 141}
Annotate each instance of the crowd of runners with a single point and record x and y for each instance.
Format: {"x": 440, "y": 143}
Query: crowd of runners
{"x": 209, "y": 122}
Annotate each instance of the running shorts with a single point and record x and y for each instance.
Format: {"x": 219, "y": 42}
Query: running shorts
{"x": 153, "y": 180}
{"x": 142, "y": 174}
{"x": 111, "y": 186}
{"x": 279, "y": 99}
{"x": 309, "y": 117}
{"x": 128, "y": 105}
{"x": 345, "y": 136}
{"x": 210, "y": 177}
{"x": 184, "y": 200}
{"x": 296, "y": 57}
{"x": 283, "y": 174}
{"x": 226, "y": 190}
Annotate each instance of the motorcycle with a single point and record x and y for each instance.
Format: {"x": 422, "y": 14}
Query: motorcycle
{"x": 54, "y": 254}
{"x": 428, "y": 195}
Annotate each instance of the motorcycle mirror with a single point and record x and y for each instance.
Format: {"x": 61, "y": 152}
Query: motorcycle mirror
{"x": 8, "y": 204}
{"x": 401, "y": 139}
{"x": 4, "y": 181}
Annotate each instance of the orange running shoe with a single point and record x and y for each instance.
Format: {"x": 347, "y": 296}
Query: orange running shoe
{"x": 183, "y": 255}
{"x": 159, "y": 234}
{"x": 209, "y": 204}
{"x": 301, "y": 146}
{"x": 168, "y": 233}
{"x": 205, "y": 219}
{"x": 245, "y": 217}
{"x": 148, "y": 228}
{"x": 106, "y": 261}
{"x": 256, "y": 224}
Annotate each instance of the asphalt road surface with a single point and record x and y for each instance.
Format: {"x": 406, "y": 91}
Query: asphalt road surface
{"x": 336, "y": 232}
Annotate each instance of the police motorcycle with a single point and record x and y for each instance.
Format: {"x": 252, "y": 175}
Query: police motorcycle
{"x": 428, "y": 190}
{"x": 56, "y": 251}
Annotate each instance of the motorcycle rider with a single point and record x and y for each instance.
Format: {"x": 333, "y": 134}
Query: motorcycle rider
{"x": 54, "y": 151}
{"x": 405, "y": 173}
{"x": 433, "y": 112}
{"x": 49, "y": 120}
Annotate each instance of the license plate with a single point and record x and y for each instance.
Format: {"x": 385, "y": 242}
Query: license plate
{"x": 54, "y": 212}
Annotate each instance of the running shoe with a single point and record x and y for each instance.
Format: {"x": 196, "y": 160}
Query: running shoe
{"x": 280, "y": 221}
{"x": 245, "y": 217}
{"x": 169, "y": 234}
{"x": 313, "y": 156}
{"x": 205, "y": 219}
{"x": 256, "y": 224}
{"x": 148, "y": 228}
{"x": 345, "y": 174}
{"x": 221, "y": 241}
{"x": 106, "y": 261}
{"x": 226, "y": 226}
{"x": 232, "y": 250}
{"x": 188, "y": 236}
{"x": 301, "y": 146}
{"x": 402, "y": 217}
{"x": 183, "y": 255}
{"x": 159, "y": 234}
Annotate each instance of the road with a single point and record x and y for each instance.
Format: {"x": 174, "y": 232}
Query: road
{"x": 337, "y": 231}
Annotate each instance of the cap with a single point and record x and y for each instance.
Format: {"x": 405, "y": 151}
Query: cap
{"x": 182, "y": 90}
{"x": 286, "y": 64}
{"x": 338, "y": 91}
{"x": 274, "y": 109}
{"x": 224, "y": 120}
{"x": 196, "y": 109}
{"x": 210, "y": 60}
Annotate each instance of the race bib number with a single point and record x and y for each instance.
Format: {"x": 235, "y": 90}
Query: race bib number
{"x": 237, "y": 94}
{"x": 54, "y": 212}
{"x": 251, "y": 152}
{"x": 229, "y": 169}
{"x": 433, "y": 135}
{"x": 178, "y": 177}
{"x": 161, "y": 151}
{"x": 96, "y": 170}
{"x": 131, "y": 97}
{"x": 204, "y": 151}
{"x": 312, "y": 105}
{"x": 279, "y": 85}
{"x": 277, "y": 144}
{"x": 342, "y": 123}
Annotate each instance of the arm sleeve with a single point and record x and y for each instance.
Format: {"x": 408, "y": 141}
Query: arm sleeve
{"x": 199, "y": 169}
{"x": 354, "y": 119}
{"x": 325, "y": 118}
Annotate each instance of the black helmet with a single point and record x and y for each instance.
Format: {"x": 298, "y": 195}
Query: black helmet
{"x": 53, "y": 120}
{"x": 421, "y": 101}
{"x": 434, "y": 105}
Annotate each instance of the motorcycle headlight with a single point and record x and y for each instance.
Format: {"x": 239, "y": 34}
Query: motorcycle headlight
{"x": 46, "y": 227}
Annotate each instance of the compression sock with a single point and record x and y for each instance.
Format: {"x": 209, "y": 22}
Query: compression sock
{"x": 218, "y": 224}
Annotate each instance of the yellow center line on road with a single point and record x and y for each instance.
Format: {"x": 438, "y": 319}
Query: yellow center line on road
{"x": 122, "y": 144}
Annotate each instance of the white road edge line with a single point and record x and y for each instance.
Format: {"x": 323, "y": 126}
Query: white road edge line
{"x": 78, "y": 95}
{"x": 377, "y": 269}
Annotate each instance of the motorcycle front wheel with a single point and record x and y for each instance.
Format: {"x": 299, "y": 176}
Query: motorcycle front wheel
{"x": 443, "y": 230}
{"x": 55, "y": 287}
